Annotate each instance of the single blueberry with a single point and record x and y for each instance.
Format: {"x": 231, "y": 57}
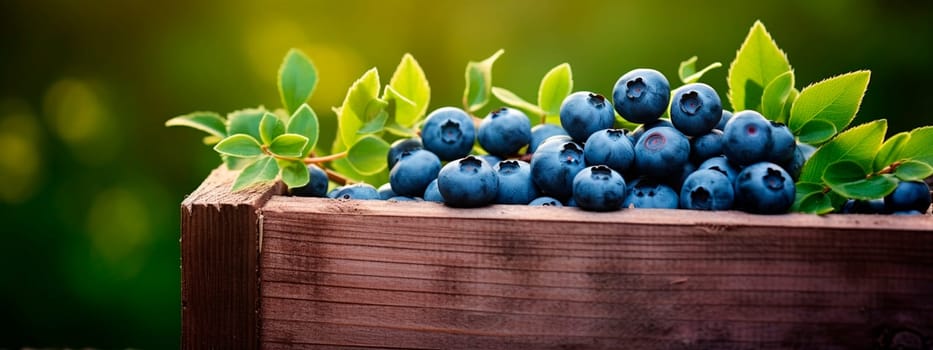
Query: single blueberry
{"x": 720, "y": 164}
{"x": 908, "y": 195}
{"x": 610, "y": 147}
{"x": 545, "y": 202}
{"x": 448, "y": 132}
{"x": 598, "y": 188}
{"x": 695, "y": 109}
{"x": 706, "y": 146}
{"x": 413, "y": 172}
{"x": 400, "y": 146}
{"x": 385, "y": 191}
{"x": 468, "y": 182}
{"x": 432, "y": 193}
{"x": 747, "y": 138}
{"x": 726, "y": 115}
{"x": 783, "y": 144}
{"x": 764, "y": 188}
{"x": 316, "y": 186}
{"x": 661, "y": 151}
{"x": 515, "y": 184}
{"x": 541, "y": 132}
{"x": 583, "y": 113}
{"x": 554, "y": 166}
{"x": 855, "y": 206}
{"x": 635, "y": 135}
{"x": 357, "y": 191}
{"x": 641, "y": 95}
{"x": 650, "y": 193}
{"x": 504, "y": 131}
{"x": 707, "y": 190}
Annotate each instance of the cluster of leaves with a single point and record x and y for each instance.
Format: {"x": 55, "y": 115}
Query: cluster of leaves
{"x": 849, "y": 164}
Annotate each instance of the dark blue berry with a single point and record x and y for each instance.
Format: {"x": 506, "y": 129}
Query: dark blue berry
{"x": 504, "y": 131}
{"x": 641, "y": 95}
{"x": 468, "y": 182}
{"x": 695, "y": 109}
{"x": 583, "y": 113}
{"x": 598, "y": 188}
{"x": 448, "y": 132}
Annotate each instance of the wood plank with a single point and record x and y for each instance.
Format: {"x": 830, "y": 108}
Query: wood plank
{"x": 219, "y": 264}
{"x": 371, "y": 274}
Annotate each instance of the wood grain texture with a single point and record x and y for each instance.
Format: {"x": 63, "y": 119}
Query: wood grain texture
{"x": 219, "y": 264}
{"x": 372, "y": 274}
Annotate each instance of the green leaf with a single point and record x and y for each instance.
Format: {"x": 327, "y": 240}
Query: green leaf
{"x": 297, "y": 79}
{"x": 913, "y": 170}
{"x": 479, "y": 82}
{"x": 918, "y": 147}
{"x": 245, "y": 121}
{"x": 400, "y": 130}
{"x": 835, "y": 100}
{"x": 511, "y": 99}
{"x": 357, "y": 105}
{"x": 789, "y": 104}
{"x": 304, "y": 122}
{"x": 375, "y": 125}
{"x": 757, "y": 63}
{"x": 264, "y": 169}
{"x": 554, "y": 88}
{"x": 239, "y": 145}
{"x": 294, "y": 173}
{"x": 890, "y": 151}
{"x": 235, "y": 163}
{"x": 775, "y": 96}
{"x": 270, "y": 127}
{"x": 858, "y": 144}
{"x": 210, "y": 140}
{"x": 209, "y": 122}
{"x": 398, "y": 105}
{"x": 816, "y": 132}
{"x": 843, "y": 171}
{"x": 410, "y": 82}
{"x": 865, "y": 189}
{"x": 813, "y": 203}
{"x": 288, "y": 145}
{"x": 368, "y": 155}
{"x": 688, "y": 72}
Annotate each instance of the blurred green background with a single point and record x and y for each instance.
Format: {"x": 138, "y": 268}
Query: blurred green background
{"x": 91, "y": 180}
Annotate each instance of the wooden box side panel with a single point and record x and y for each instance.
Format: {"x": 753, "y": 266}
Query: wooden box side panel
{"x": 419, "y": 275}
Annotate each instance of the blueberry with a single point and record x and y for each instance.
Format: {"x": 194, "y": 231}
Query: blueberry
{"x": 907, "y": 213}
{"x": 449, "y": 133}
{"x": 316, "y": 186}
{"x": 661, "y": 151}
{"x": 764, "y": 188}
{"x": 641, "y": 95}
{"x": 583, "y": 113}
{"x": 706, "y": 146}
{"x": 400, "y": 146}
{"x": 726, "y": 116}
{"x": 650, "y": 193}
{"x": 783, "y": 144}
{"x": 609, "y": 147}
{"x": 635, "y": 135}
{"x": 541, "y": 132}
{"x": 598, "y": 188}
{"x": 333, "y": 193}
{"x": 571, "y": 203}
{"x": 432, "y": 193}
{"x": 357, "y": 191}
{"x": 504, "y": 131}
{"x": 491, "y": 159}
{"x": 413, "y": 172}
{"x": 707, "y": 190}
{"x": 720, "y": 164}
{"x": 854, "y": 206}
{"x": 545, "y": 202}
{"x": 385, "y": 191}
{"x": 695, "y": 109}
{"x": 747, "y": 138}
{"x": 515, "y": 184}
{"x": 468, "y": 182}
{"x": 554, "y": 166}
{"x": 908, "y": 195}
{"x": 677, "y": 178}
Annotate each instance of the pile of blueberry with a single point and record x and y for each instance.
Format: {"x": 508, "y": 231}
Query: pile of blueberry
{"x": 701, "y": 158}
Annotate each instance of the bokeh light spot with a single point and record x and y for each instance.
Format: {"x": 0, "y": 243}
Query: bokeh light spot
{"x": 119, "y": 228}
{"x": 21, "y": 158}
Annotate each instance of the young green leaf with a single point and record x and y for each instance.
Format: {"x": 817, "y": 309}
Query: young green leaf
{"x": 210, "y": 140}
{"x": 918, "y": 146}
{"x": 400, "y": 130}
{"x": 270, "y": 127}
{"x": 835, "y": 100}
{"x": 816, "y": 132}
{"x": 913, "y": 170}
{"x": 239, "y": 145}
{"x": 890, "y": 151}
{"x": 479, "y": 82}
{"x": 209, "y": 122}
{"x": 304, "y": 122}
{"x": 294, "y": 173}
{"x": 757, "y": 63}
{"x": 376, "y": 125}
{"x": 297, "y": 79}
{"x": 866, "y": 189}
{"x": 368, "y": 155}
{"x": 236, "y": 163}
{"x": 775, "y": 96}
{"x": 687, "y": 72}
{"x": 245, "y": 121}
{"x": 858, "y": 144}
{"x": 843, "y": 171}
{"x": 554, "y": 88}
{"x": 789, "y": 104}
{"x": 288, "y": 145}
{"x": 512, "y": 99}
{"x": 353, "y": 112}
{"x": 398, "y": 105}
{"x": 264, "y": 169}
{"x": 813, "y": 203}
{"x": 410, "y": 81}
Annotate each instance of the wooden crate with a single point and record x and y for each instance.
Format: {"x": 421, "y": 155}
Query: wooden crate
{"x": 261, "y": 270}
